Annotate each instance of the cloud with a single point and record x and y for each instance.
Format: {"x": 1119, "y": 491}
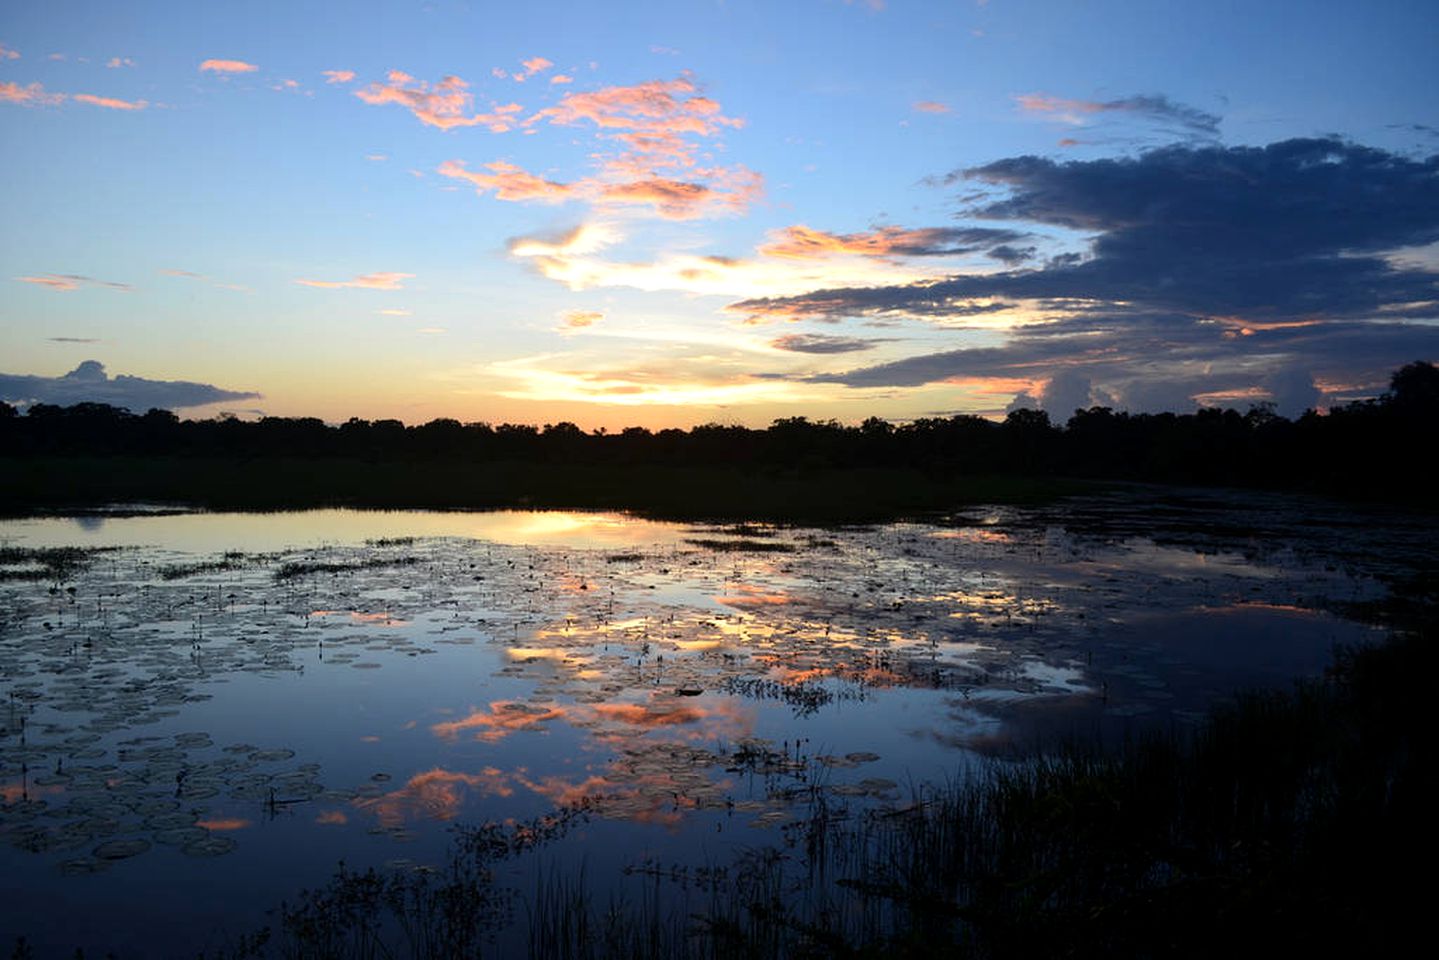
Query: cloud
{"x": 560, "y": 78}
{"x": 72, "y": 339}
{"x": 110, "y": 103}
{"x": 338, "y": 76}
{"x": 671, "y": 199}
{"x": 509, "y": 182}
{"x": 393, "y": 312}
{"x": 572, "y": 320}
{"x": 67, "y": 282}
{"x": 115, "y": 63}
{"x": 365, "y": 281}
{"x": 33, "y": 95}
{"x": 8, "y": 54}
{"x": 89, "y": 383}
{"x": 801, "y": 242}
{"x": 1296, "y": 229}
{"x": 930, "y": 106}
{"x": 572, "y": 259}
{"x": 191, "y": 275}
{"x": 1155, "y": 108}
{"x": 531, "y": 66}
{"x": 446, "y": 104}
{"x": 819, "y": 343}
{"x": 1204, "y": 274}
{"x": 227, "y": 66}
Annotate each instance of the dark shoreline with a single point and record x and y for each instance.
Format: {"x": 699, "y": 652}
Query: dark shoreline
{"x": 815, "y": 495}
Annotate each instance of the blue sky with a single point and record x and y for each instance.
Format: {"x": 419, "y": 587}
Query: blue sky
{"x": 673, "y": 213}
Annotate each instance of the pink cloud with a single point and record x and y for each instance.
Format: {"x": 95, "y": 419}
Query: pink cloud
{"x": 33, "y": 95}
{"x": 532, "y": 66}
{"x": 365, "y": 281}
{"x": 338, "y": 76}
{"x": 562, "y": 78}
{"x": 509, "y": 182}
{"x": 114, "y": 63}
{"x": 444, "y": 104}
{"x": 66, "y": 282}
{"x": 7, "y": 54}
{"x": 227, "y": 66}
{"x": 931, "y": 106}
{"x": 110, "y": 103}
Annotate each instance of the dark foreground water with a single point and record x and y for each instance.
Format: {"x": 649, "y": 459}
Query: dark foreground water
{"x": 204, "y": 713}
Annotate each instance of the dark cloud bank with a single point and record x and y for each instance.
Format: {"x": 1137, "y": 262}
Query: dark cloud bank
{"x": 1211, "y": 268}
{"x": 89, "y": 383}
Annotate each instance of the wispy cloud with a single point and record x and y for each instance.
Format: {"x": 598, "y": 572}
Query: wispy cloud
{"x": 365, "y": 281}
{"x": 930, "y": 106}
{"x": 7, "y": 53}
{"x": 338, "y": 76}
{"x": 508, "y": 182}
{"x": 227, "y": 66}
{"x": 67, "y": 282}
{"x": 33, "y": 95}
{"x": 562, "y": 78}
{"x": 1151, "y": 107}
{"x": 446, "y": 104}
{"x": 819, "y": 343}
{"x": 115, "y": 63}
{"x": 191, "y": 275}
{"x": 800, "y": 242}
{"x": 110, "y": 103}
{"x": 72, "y": 339}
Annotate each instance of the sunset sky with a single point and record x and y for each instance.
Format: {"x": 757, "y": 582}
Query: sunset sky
{"x": 731, "y": 210}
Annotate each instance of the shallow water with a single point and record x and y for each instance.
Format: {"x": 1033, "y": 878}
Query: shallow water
{"x": 212, "y": 712}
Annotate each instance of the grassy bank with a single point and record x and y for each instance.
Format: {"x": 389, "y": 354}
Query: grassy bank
{"x": 789, "y": 495}
{"x": 1290, "y": 823}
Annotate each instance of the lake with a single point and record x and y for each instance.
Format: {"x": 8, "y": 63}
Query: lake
{"x": 205, "y": 713}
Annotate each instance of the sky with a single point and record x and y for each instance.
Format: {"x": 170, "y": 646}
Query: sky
{"x": 673, "y": 213}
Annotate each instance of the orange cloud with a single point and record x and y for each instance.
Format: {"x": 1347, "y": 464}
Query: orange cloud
{"x": 445, "y": 104}
{"x": 338, "y": 76}
{"x": 572, "y": 320}
{"x": 509, "y": 182}
{"x": 220, "y": 825}
{"x": 110, "y": 103}
{"x": 115, "y": 63}
{"x": 502, "y": 718}
{"x": 33, "y": 95}
{"x": 227, "y": 66}
{"x": 562, "y": 78}
{"x": 800, "y": 242}
{"x": 1044, "y": 103}
{"x": 436, "y": 794}
{"x": 332, "y": 818}
{"x": 365, "y": 281}
{"x": 931, "y": 106}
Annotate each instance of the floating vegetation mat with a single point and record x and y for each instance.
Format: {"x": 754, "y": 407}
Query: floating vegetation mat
{"x": 162, "y": 709}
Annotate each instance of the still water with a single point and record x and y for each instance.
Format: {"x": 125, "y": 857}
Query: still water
{"x": 204, "y": 713}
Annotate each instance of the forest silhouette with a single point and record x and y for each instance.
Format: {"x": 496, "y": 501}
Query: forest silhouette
{"x": 79, "y": 453}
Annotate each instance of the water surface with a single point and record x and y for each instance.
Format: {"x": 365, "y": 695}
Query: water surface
{"x": 211, "y": 710}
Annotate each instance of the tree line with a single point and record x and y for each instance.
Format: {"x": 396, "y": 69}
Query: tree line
{"x": 1371, "y": 446}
